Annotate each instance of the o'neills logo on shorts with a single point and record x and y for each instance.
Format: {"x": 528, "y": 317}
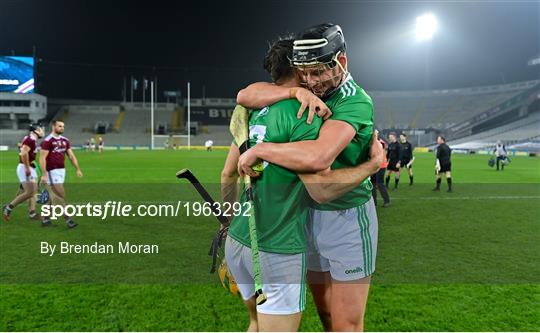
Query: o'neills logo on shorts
{"x": 353, "y": 271}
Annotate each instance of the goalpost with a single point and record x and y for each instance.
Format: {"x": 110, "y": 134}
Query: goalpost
{"x": 169, "y": 141}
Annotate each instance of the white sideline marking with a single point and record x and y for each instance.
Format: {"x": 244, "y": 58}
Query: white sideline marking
{"x": 491, "y": 197}
{"x": 443, "y": 196}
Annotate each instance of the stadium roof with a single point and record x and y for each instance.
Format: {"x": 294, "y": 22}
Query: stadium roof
{"x": 87, "y": 48}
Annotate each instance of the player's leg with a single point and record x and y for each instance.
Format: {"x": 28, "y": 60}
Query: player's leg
{"x": 375, "y": 183}
{"x": 27, "y": 189}
{"x": 437, "y": 181}
{"x": 251, "y": 305}
{"x": 396, "y": 179}
{"x": 284, "y": 282}
{"x": 32, "y": 214}
{"x": 235, "y": 257}
{"x": 411, "y": 176}
{"x": 449, "y": 180}
{"x": 279, "y": 323}
{"x": 382, "y": 188}
{"x": 320, "y": 285}
{"x": 57, "y": 192}
{"x": 387, "y": 179}
{"x": 349, "y": 241}
{"x": 349, "y": 301}
{"x": 318, "y": 274}
{"x": 6, "y": 210}
{"x": 498, "y": 161}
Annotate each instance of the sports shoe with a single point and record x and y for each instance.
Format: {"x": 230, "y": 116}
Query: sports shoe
{"x": 449, "y": 190}
{"x": 436, "y": 189}
{"x": 34, "y": 216}
{"x": 47, "y": 223}
{"x": 386, "y": 205}
{"x": 6, "y": 213}
{"x": 71, "y": 224}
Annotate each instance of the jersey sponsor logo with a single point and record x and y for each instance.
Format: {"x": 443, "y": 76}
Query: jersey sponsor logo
{"x": 353, "y": 271}
{"x": 59, "y": 146}
{"x": 263, "y": 112}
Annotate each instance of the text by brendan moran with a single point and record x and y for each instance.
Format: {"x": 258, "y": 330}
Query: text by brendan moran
{"x": 97, "y": 248}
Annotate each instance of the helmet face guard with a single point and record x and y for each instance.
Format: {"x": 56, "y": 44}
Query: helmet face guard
{"x": 37, "y": 129}
{"x": 315, "y": 61}
{"x": 321, "y": 78}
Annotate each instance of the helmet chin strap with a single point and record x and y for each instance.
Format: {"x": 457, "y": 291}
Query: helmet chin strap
{"x": 37, "y": 134}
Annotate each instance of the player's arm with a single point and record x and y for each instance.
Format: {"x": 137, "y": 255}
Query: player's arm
{"x": 302, "y": 156}
{"x": 43, "y": 153}
{"x": 25, "y": 159}
{"x": 412, "y": 157}
{"x": 73, "y": 159}
{"x": 229, "y": 176}
{"x": 400, "y": 155}
{"x": 260, "y": 94}
{"x": 327, "y": 185}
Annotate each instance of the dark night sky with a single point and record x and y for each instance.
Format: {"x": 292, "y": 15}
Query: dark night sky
{"x": 87, "y": 47}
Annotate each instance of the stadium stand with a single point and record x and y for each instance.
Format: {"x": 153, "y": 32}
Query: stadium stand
{"x": 522, "y": 131}
{"x": 439, "y": 109}
{"x": 423, "y": 114}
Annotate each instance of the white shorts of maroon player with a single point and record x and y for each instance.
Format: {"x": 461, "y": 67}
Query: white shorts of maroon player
{"x": 21, "y": 174}
{"x": 56, "y": 176}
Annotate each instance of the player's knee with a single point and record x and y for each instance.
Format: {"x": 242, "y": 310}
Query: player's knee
{"x": 28, "y": 192}
{"x": 348, "y": 322}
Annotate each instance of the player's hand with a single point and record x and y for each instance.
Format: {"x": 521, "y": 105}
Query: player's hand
{"x": 246, "y": 161}
{"x": 79, "y": 173}
{"x": 376, "y": 154}
{"x": 308, "y": 100}
{"x": 27, "y": 171}
{"x": 409, "y": 165}
{"x": 398, "y": 165}
{"x": 44, "y": 179}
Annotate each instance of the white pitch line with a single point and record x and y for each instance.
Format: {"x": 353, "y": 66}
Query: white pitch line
{"x": 442, "y": 197}
{"x": 491, "y": 197}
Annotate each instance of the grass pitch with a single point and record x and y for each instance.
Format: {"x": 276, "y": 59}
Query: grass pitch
{"x": 467, "y": 260}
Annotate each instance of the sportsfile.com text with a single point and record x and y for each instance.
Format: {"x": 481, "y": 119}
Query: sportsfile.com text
{"x": 120, "y": 209}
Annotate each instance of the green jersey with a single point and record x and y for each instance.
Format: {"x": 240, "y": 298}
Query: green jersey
{"x": 280, "y": 198}
{"x": 351, "y": 104}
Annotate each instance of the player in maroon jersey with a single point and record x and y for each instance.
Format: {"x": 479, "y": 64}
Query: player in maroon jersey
{"x": 51, "y": 159}
{"x": 26, "y": 172}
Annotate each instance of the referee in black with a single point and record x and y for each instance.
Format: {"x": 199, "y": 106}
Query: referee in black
{"x": 443, "y": 164}
{"x": 407, "y": 157}
{"x": 393, "y": 155}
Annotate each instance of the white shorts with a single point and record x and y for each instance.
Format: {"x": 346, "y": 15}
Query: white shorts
{"x": 343, "y": 242}
{"x": 283, "y": 278}
{"x": 21, "y": 174}
{"x": 56, "y": 176}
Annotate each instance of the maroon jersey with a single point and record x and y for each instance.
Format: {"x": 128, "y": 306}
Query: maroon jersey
{"x": 31, "y": 143}
{"x": 57, "y": 147}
